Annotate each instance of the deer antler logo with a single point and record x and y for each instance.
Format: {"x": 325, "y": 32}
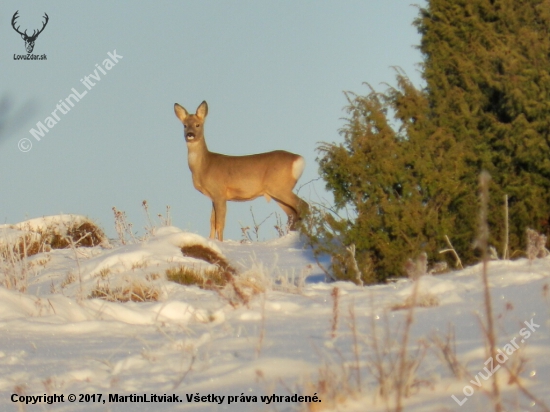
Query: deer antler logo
{"x": 29, "y": 40}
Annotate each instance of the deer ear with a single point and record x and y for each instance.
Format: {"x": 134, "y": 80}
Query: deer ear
{"x": 181, "y": 113}
{"x": 202, "y": 110}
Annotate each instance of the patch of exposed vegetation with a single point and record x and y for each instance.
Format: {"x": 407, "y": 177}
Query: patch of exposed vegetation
{"x": 206, "y": 279}
{"x": 208, "y": 255}
{"x": 69, "y": 278}
{"x": 134, "y": 292}
{"x": 86, "y": 234}
{"x": 223, "y": 279}
{"x": 28, "y": 244}
{"x": 31, "y": 241}
{"x": 423, "y": 300}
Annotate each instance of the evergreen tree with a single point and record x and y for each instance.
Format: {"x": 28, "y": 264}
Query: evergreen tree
{"x": 413, "y": 180}
{"x": 397, "y": 181}
{"x": 487, "y": 68}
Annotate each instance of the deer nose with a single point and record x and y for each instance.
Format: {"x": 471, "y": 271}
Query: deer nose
{"x": 190, "y": 136}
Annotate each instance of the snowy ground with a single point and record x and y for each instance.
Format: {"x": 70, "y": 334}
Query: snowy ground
{"x": 54, "y": 339}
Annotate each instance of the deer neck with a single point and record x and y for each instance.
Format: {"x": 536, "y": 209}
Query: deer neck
{"x": 197, "y": 155}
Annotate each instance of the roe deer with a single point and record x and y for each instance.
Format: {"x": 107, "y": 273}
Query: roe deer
{"x": 239, "y": 178}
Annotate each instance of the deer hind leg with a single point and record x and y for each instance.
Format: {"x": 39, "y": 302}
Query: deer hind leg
{"x": 220, "y": 208}
{"x": 291, "y": 213}
{"x": 292, "y": 205}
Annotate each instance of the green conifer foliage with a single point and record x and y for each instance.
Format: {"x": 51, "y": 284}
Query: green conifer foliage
{"x": 396, "y": 178}
{"x": 409, "y": 164}
{"x": 487, "y": 68}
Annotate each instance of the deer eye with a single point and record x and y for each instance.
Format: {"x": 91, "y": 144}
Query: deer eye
{"x": 197, "y": 125}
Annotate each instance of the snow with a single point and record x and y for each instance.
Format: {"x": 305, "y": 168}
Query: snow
{"x": 55, "y": 339}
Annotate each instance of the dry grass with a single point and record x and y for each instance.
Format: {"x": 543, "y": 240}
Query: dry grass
{"x": 152, "y": 276}
{"x": 282, "y": 229}
{"x": 208, "y": 255}
{"x": 332, "y": 386}
{"x": 56, "y": 236}
{"x": 25, "y": 245}
{"x": 536, "y": 245}
{"x": 135, "y": 292}
{"x": 236, "y": 288}
{"x": 233, "y": 290}
{"x": 104, "y": 272}
{"x": 69, "y": 279}
{"x": 86, "y": 234}
{"x": 43, "y": 261}
{"x": 21, "y": 241}
{"x": 142, "y": 264}
{"x": 390, "y": 362}
{"x": 123, "y": 227}
{"x": 205, "y": 279}
{"x": 415, "y": 269}
{"x": 14, "y": 266}
{"x": 423, "y": 300}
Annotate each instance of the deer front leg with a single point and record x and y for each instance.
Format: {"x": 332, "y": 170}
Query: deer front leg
{"x": 213, "y": 223}
{"x": 219, "y": 211}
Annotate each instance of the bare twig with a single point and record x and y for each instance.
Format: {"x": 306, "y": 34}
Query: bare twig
{"x": 353, "y": 327}
{"x": 452, "y": 249}
{"x": 404, "y": 364}
{"x": 335, "y": 300}
{"x": 262, "y": 329}
{"x": 351, "y": 252}
{"x": 447, "y": 351}
{"x": 514, "y": 379}
{"x": 184, "y": 375}
{"x": 151, "y": 228}
{"x": 505, "y": 251}
{"x": 482, "y": 243}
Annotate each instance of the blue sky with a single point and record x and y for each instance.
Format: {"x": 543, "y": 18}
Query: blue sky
{"x": 273, "y": 74}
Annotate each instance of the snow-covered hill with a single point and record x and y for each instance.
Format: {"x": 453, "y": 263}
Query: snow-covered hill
{"x": 336, "y": 343}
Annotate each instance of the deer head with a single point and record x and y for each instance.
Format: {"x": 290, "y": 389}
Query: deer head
{"x": 29, "y": 40}
{"x": 193, "y": 124}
